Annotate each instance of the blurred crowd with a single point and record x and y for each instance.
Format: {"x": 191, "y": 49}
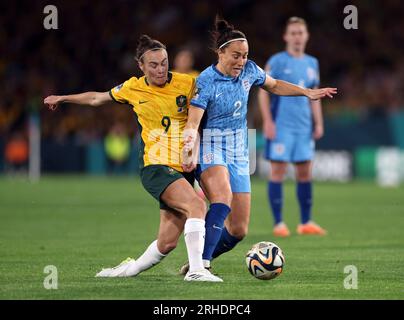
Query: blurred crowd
{"x": 94, "y": 45}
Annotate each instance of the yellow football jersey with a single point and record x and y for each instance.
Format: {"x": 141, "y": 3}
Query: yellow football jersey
{"x": 161, "y": 115}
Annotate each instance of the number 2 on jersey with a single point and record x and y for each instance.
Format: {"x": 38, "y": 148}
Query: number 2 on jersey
{"x": 237, "y": 105}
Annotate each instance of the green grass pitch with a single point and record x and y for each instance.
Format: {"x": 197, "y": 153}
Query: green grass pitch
{"x": 81, "y": 224}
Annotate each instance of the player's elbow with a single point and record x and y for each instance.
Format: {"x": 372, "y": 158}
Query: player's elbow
{"x": 98, "y": 99}
{"x": 95, "y": 101}
{"x": 270, "y": 85}
{"x": 273, "y": 84}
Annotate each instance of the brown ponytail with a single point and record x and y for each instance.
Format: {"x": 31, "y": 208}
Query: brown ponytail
{"x": 224, "y": 32}
{"x": 145, "y": 43}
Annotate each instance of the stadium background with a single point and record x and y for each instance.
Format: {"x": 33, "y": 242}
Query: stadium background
{"x": 94, "y": 46}
{"x": 79, "y": 222}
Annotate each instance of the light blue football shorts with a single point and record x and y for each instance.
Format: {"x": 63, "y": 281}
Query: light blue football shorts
{"x": 238, "y": 168}
{"x": 290, "y": 147}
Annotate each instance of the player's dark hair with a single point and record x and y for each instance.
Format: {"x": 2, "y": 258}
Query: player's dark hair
{"x": 224, "y": 32}
{"x": 145, "y": 43}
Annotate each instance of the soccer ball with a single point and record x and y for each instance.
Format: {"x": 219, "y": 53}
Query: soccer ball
{"x": 265, "y": 260}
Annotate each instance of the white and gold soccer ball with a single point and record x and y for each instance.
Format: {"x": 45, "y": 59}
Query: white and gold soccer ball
{"x": 265, "y": 260}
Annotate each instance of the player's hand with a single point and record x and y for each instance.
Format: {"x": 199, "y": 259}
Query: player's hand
{"x": 318, "y": 132}
{"x": 188, "y": 163}
{"x": 188, "y": 166}
{"x": 315, "y": 94}
{"x": 52, "y": 102}
{"x": 269, "y": 129}
{"x": 189, "y": 142}
{"x": 188, "y": 157}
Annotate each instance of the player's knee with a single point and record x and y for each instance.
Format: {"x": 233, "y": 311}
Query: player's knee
{"x": 197, "y": 208}
{"x": 303, "y": 176}
{"x": 303, "y": 172}
{"x": 225, "y": 197}
{"x": 277, "y": 175}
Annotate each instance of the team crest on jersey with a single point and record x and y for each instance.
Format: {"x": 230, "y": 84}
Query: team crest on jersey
{"x": 246, "y": 85}
{"x": 311, "y": 73}
{"x": 117, "y": 88}
{"x": 181, "y": 103}
{"x": 279, "y": 148}
{"x": 208, "y": 158}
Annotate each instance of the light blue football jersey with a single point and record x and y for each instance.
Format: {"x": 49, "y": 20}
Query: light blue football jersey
{"x": 224, "y": 100}
{"x": 293, "y": 113}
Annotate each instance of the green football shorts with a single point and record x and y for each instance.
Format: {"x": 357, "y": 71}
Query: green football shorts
{"x": 156, "y": 179}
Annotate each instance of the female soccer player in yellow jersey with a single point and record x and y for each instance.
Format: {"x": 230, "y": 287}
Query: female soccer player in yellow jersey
{"x": 160, "y": 100}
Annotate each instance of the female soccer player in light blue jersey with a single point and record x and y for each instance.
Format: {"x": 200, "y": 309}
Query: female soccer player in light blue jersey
{"x": 290, "y": 125}
{"x": 221, "y": 97}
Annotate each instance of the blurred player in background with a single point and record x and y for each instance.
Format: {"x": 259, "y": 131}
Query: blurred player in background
{"x": 16, "y": 153}
{"x": 117, "y": 148}
{"x": 221, "y": 97}
{"x": 290, "y": 125}
{"x": 184, "y": 63}
{"x": 160, "y": 100}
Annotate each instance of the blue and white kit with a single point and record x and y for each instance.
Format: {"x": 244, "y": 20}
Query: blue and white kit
{"x": 224, "y": 138}
{"x": 292, "y": 115}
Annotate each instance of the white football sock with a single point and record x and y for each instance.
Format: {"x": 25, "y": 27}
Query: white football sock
{"x": 148, "y": 259}
{"x": 194, "y": 234}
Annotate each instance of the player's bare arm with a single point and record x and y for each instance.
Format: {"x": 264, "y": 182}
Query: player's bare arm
{"x": 268, "y": 125}
{"x": 284, "y": 88}
{"x": 317, "y": 119}
{"x": 91, "y": 98}
{"x": 190, "y": 151}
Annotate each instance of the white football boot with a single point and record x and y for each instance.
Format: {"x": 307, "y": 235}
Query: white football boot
{"x": 202, "y": 275}
{"x": 118, "y": 271}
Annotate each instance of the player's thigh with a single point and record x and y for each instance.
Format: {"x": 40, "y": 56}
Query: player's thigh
{"x": 173, "y": 189}
{"x": 216, "y": 184}
{"x": 239, "y": 218}
{"x": 171, "y": 226}
{"x": 181, "y": 196}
